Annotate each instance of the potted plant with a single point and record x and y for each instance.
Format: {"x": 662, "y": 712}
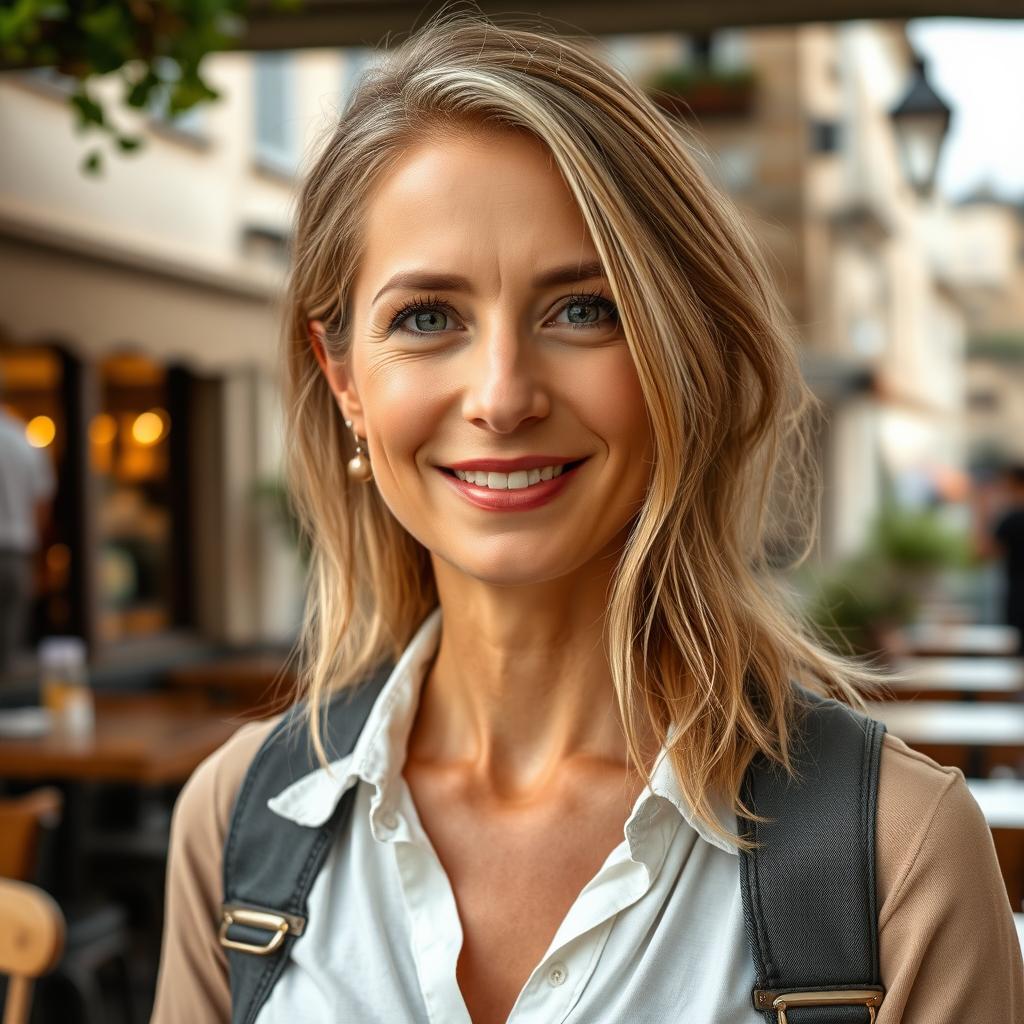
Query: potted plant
{"x": 271, "y": 495}
{"x": 700, "y": 90}
{"x": 859, "y": 605}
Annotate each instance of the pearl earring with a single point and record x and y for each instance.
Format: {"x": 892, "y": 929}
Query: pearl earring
{"x": 359, "y": 467}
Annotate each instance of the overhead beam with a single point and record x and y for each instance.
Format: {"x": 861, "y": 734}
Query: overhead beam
{"x": 382, "y": 23}
{"x": 332, "y": 23}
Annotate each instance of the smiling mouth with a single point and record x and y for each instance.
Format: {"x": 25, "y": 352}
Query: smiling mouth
{"x": 516, "y": 480}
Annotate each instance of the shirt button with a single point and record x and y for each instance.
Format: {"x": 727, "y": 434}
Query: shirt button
{"x": 557, "y": 974}
{"x": 389, "y": 821}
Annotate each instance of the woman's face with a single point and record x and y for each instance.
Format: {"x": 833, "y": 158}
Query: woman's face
{"x": 483, "y": 331}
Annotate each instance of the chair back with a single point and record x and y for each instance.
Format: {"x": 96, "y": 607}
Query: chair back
{"x": 22, "y": 821}
{"x": 31, "y": 942}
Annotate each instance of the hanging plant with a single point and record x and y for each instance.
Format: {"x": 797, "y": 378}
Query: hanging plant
{"x": 700, "y": 90}
{"x": 155, "y": 47}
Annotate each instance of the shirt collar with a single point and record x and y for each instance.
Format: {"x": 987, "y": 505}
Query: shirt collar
{"x": 379, "y": 754}
{"x": 665, "y": 785}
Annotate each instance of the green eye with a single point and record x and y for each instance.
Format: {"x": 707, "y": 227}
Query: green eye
{"x": 577, "y": 308}
{"x": 425, "y": 310}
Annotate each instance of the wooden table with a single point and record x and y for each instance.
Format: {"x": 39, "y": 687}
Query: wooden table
{"x": 260, "y": 681}
{"x": 145, "y": 738}
{"x": 959, "y": 640}
{"x": 967, "y": 679}
{"x": 971, "y": 737}
{"x": 1002, "y": 803}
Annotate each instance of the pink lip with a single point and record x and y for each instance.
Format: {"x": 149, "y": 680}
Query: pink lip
{"x": 520, "y": 499}
{"x": 510, "y": 465}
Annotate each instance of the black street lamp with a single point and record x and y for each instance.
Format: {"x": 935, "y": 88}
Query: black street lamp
{"x": 921, "y": 121}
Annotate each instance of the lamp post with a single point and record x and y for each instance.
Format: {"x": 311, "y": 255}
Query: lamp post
{"x": 921, "y": 121}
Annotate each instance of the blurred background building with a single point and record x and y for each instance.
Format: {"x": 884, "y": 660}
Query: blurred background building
{"x": 807, "y": 147}
{"x": 140, "y": 341}
{"x": 139, "y": 334}
{"x": 988, "y": 255}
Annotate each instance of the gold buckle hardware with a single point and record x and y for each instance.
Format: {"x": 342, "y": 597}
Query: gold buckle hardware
{"x": 278, "y": 924}
{"x": 847, "y": 997}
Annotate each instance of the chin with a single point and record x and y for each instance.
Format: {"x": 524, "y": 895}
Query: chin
{"x": 511, "y": 568}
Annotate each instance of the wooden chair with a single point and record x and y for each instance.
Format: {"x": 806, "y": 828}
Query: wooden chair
{"x": 22, "y": 822}
{"x": 31, "y": 942}
{"x": 90, "y": 937}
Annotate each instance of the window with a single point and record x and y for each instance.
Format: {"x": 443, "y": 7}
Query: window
{"x": 189, "y": 122}
{"x": 737, "y": 167}
{"x": 355, "y": 60}
{"x": 50, "y": 79}
{"x": 730, "y": 50}
{"x": 723, "y": 50}
{"x": 265, "y": 243}
{"x": 275, "y": 145}
{"x": 130, "y": 457}
{"x": 824, "y": 136}
{"x": 982, "y": 400}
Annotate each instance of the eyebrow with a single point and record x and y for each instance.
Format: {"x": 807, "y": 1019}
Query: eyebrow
{"x": 568, "y": 274}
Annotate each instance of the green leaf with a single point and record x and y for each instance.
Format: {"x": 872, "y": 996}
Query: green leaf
{"x": 19, "y": 21}
{"x": 89, "y": 111}
{"x": 93, "y": 162}
{"x": 139, "y": 92}
{"x": 86, "y": 38}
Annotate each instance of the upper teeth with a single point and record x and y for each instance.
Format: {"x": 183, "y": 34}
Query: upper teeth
{"x": 508, "y": 481}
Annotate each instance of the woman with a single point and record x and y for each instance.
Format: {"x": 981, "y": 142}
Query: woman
{"x": 540, "y": 399}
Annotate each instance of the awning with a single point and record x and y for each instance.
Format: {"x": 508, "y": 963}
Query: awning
{"x": 96, "y": 299}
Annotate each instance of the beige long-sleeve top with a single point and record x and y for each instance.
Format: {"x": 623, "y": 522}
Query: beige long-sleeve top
{"x": 947, "y": 944}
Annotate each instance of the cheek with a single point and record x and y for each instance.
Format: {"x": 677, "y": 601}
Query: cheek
{"x": 403, "y": 401}
{"x": 606, "y": 390}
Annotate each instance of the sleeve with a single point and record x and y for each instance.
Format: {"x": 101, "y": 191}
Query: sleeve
{"x": 193, "y": 982}
{"x": 948, "y": 946}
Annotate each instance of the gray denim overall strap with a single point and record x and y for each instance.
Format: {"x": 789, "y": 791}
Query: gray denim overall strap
{"x": 270, "y": 863}
{"x": 809, "y": 892}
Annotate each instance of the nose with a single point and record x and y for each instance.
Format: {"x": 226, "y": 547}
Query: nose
{"x": 505, "y": 388}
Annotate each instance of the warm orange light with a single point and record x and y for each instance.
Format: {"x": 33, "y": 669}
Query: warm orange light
{"x": 103, "y": 429}
{"x": 148, "y": 427}
{"x": 58, "y": 558}
{"x": 40, "y": 431}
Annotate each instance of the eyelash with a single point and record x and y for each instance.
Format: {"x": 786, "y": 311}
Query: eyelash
{"x": 432, "y": 303}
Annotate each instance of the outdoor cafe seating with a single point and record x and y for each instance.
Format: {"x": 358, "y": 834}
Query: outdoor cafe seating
{"x": 88, "y": 822}
{"x": 84, "y": 826}
{"x": 957, "y": 695}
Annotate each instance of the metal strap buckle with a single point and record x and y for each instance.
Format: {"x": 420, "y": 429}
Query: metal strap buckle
{"x": 847, "y": 997}
{"x": 277, "y": 924}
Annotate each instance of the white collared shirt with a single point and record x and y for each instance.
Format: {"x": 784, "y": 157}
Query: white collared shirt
{"x": 657, "y": 935}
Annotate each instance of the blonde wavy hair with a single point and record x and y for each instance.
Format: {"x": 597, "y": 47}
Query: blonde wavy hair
{"x": 701, "y": 633}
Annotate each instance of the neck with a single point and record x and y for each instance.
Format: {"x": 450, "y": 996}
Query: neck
{"x": 520, "y": 687}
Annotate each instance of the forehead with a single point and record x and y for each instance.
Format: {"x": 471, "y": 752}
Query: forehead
{"x": 479, "y": 202}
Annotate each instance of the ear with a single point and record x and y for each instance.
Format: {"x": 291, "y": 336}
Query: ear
{"x": 339, "y": 377}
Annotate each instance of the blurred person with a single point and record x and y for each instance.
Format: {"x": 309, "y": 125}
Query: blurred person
{"x": 999, "y": 534}
{"x": 27, "y": 486}
{"x": 538, "y": 382}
